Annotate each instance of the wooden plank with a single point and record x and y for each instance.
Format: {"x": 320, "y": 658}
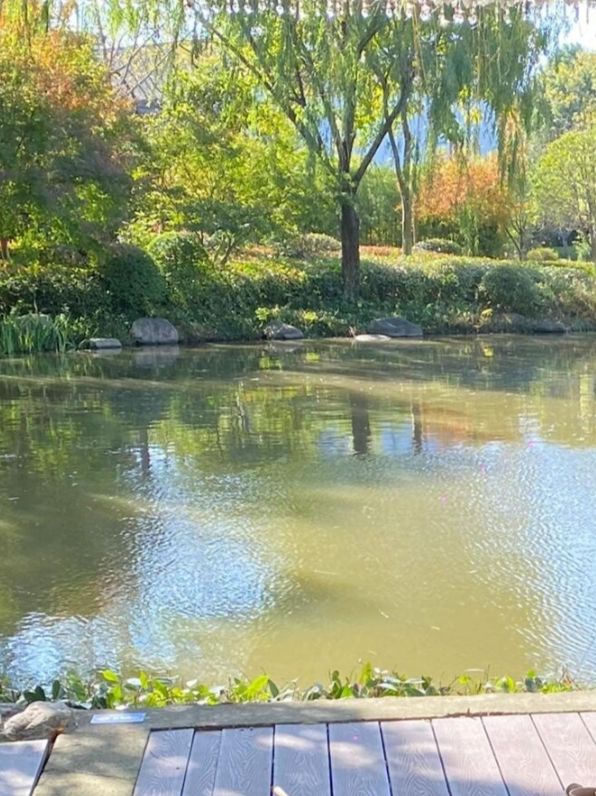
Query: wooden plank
{"x": 358, "y": 765}
{"x": 570, "y": 747}
{"x": 20, "y": 765}
{"x": 413, "y": 758}
{"x": 202, "y": 763}
{"x": 164, "y": 763}
{"x": 468, "y": 759}
{"x": 301, "y": 760}
{"x": 245, "y": 762}
{"x": 524, "y": 763}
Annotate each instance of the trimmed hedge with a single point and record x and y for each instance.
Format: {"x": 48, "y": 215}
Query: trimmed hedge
{"x": 439, "y": 245}
{"x": 543, "y": 254}
{"x": 442, "y": 293}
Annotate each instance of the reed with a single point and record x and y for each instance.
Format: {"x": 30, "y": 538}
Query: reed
{"x": 34, "y": 333}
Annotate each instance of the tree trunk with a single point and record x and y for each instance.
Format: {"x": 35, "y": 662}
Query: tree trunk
{"x": 403, "y": 174}
{"x": 4, "y": 251}
{"x": 350, "y": 247}
{"x": 407, "y": 221}
{"x": 593, "y": 245}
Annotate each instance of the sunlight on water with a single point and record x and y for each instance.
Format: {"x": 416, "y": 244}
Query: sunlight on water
{"x": 429, "y": 506}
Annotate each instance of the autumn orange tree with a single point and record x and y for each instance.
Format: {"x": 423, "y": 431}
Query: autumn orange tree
{"x": 65, "y": 139}
{"x": 465, "y": 199}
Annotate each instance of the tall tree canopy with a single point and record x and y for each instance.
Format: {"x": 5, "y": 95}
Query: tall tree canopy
{"x": 565, "y": 183}
{"x": 345, "y": 73}
{"x": 570, "y": 91}
{"x": 64, "y": 139}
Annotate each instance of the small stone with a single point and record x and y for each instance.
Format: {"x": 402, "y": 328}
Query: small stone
{"x": 39, "y": 720}
{"x": 394, "y": 327}
{"x": 154, "y": 331}
{"x": 371, "y": 338}
{"x": 282, "y": 331}
{"x": 100, "y": 344}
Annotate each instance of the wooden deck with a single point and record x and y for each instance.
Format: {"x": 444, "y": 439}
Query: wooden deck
{"x": 513, "y": 755}
{"x": 20, "y": 766}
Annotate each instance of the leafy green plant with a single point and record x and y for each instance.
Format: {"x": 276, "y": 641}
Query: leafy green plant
{"x": 542, "y": 254}
{"x": 439, "y": 245}
{"x": 510, "y": 288}
{"x": 108, "y": 689}
{"x": 132, "y": 280}
{"x": 309, "y": 245}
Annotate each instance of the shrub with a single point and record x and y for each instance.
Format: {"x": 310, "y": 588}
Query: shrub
{"x": 132, "y": 281}
{"x": 51, "y": 289}
{"x": 183, "y": 262}
{"x": 178, "y": 255}
{"x": 509, "y": 288}
{"x": 542, "y": 254}
{"x": 439, "y": 245}
{"x": 310, "y": 244}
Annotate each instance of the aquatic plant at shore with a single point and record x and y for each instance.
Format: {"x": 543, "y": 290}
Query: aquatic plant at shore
{"x": 34, "y": 333}
{"x": 108, "y": 689}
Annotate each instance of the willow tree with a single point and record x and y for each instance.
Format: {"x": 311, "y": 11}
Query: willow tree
{"x": 459, "y": 70}
{"x": 350, "y": 74}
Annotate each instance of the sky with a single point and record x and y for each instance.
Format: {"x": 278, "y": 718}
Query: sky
{"x": 583, "y": 31}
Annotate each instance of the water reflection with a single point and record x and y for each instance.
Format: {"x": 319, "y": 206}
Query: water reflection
{"x": 428, "y": 505}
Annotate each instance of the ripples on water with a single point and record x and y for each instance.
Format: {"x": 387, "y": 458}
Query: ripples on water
{"x": 429, "y": 506}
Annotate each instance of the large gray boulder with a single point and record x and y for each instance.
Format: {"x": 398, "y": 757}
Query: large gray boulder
{"x": 154, "y": 331}
{"x": 394, "y": 327}
{"x": 39, "y": 720}
{"x": 282, "y": 331}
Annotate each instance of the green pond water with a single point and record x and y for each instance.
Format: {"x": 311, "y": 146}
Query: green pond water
{"x": 428, "y": 506}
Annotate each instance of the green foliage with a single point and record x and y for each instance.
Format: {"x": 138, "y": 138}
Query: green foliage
{"x": 177, "y": 254}
{"x": 377, "y": 202}
{"x": 132, "y": 281}
{"x": 34, "y": 333}
{"x": 108, "y": 689}
{"x": 444, "y": 293}
{"x": 542, "y": 254}
{"x": 223, "y": 162}
{"x": 570, "y": 91}
{"x": 183, "y": 262}
{"x": 310, "y": 245}
{"x": 510, "y": 288}
{"x": 564, "y": 184}
{"x": 52, "y": 289}
{"x": 440, "y": 245}
{"x": 65, "y": 142}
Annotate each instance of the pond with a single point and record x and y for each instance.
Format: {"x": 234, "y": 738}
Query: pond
{"x": 429, "y": 506}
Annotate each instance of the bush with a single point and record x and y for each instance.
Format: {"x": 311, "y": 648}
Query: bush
{"x": 439, "y": 245}
{"x": 310, "y": 244}
{"x": 183, "y": 262}
{"x": 178, "y": 255}
{"x": 509, "y": 288}
{"x": 132, "y": 281}
{"x": 443, "y": 293}
{"x": 542, "y": 254}
{"x": 52, "y": 290}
